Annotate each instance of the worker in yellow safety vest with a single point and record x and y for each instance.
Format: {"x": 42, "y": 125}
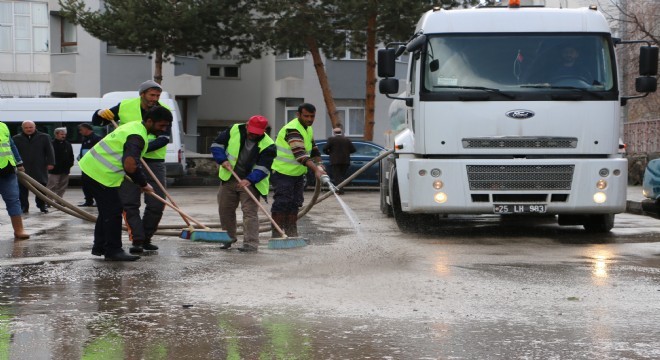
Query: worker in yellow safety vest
{"x": 247, "y": 150}
{"x": 10, "y": 161}
{"x": 103, "y": 171}
{"x": 296, "y": 153}
{"x": 141, "y": 228}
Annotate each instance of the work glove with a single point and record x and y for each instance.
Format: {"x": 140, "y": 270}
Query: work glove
{"x": 106, "y": 114}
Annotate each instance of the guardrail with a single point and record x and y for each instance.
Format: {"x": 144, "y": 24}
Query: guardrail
{"x": 642, "y": 136}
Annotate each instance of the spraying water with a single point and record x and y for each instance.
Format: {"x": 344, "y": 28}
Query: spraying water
{"x": 347, "y": 210}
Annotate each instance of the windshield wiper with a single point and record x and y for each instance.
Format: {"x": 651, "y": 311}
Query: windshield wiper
{"x": 493, "y": 90}
{"x": 545, "y": 86}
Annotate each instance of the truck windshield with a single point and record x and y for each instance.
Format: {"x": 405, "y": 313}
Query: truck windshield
{"x": 518, "y": 63}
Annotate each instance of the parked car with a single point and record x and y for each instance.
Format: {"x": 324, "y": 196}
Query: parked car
{"x": 365, "y": 151}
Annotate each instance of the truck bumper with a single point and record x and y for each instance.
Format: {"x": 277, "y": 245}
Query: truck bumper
{"x": 475, "y": 186}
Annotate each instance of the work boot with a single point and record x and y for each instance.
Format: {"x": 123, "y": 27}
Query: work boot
{"x": 226, "y": 246}
{"x": 86, "y": 204}
{"x": 121, "y": 256}
{"x": 17, "y": 224}
{"x": 248, "y": 248}
{"x": 137, "y": 247}
{"x": 292, "y": 225}
{"x": 98, "y": 252}
{"x": 280, "y": 219}
{"x": 148, "y": 246}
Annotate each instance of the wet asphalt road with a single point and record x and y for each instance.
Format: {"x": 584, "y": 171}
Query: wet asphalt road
{"x": 466, "y": 288}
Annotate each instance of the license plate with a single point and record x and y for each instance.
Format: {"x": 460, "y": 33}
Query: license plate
{"x": 518, "y": 209}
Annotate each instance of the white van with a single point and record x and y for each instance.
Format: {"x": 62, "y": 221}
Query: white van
{"x": 51, "y": 113}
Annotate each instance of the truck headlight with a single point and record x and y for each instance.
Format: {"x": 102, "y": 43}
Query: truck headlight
{"x": 601, "y": 184}
{"x": 440, "y": 197}
{"x": 438, "y": 184}
{"x": 600, "y": 197}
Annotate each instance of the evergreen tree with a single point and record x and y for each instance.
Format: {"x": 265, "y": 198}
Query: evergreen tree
{"x": 167, "y": 27}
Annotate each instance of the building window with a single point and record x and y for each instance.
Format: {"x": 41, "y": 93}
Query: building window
{"x": 23, "y": 27}
{"x": 224, "y": 71}
{"x": 69, "y": 37}
{"x": 343, "y": 48}
{"x": 353, "y": 120}
{"x": 113, "y": 49}
{"x": 295, "y": 54}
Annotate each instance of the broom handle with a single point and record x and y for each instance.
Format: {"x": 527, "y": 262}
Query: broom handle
{"x": 260, "y": 206}
{"x": 153, "y": 176}
{"x": 183, "y": 214}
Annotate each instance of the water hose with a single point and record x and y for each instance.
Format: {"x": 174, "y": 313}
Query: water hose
{"x": 316, "y": 199}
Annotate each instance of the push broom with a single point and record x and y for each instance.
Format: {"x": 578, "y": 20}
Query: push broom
{"x": 205, "y": 234}
{"x": 284, "y": 242}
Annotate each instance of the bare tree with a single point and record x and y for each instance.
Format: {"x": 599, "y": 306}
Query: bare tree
{"x": 639, "y": 20}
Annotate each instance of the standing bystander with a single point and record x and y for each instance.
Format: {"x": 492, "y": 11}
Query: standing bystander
{"x": 89, "y": 139}
{"x": 249, "y": 152}
{"x": 340, "y": 149}
{"x": 10, "y": 161}
{"x": 38, "y": 158}
{"x": 103, "y": 169}
{"x": 296, "y": 153}
{"x": 58, "y": 177}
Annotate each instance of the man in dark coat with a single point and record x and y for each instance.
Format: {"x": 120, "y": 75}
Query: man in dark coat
{"x": 340, "y": 149}
{"x": 58, "y": 178}
{"x": 38, "y": 157}
{"x": 89, "y": 139}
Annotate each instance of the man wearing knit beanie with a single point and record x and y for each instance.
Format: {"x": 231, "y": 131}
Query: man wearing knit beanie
{"x": 141, "y": 228}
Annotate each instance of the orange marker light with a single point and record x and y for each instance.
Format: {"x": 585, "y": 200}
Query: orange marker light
{"x": 514, "y": 3}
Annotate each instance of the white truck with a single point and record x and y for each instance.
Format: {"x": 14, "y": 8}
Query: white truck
{"x": 509, "y": 110}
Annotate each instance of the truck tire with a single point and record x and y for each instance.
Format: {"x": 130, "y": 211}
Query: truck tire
{"x": 599, "y": 223}
{"x": 407, "y": 223}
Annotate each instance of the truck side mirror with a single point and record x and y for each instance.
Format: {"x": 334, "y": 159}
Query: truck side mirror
{"x": 648, "y": 60}
{"x": 386, "y": 63}
{"x": 388, "y": 86}
{"x": 646, "y": 84}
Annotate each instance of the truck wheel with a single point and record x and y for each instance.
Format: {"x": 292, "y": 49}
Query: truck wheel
{"x": 599, "y": 223}
{"x": 408, "y": 223}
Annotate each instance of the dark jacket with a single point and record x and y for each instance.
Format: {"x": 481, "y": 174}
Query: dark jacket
{"x": 37, "y": 153}
{"x": 88, "y": 142}
{"x": 63, "y": 157}
{"x": 264, "y": 158}
{"x": 340, "y": 149}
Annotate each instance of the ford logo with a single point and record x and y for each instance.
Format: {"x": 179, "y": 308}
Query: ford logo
{"x": 520, "y": 114}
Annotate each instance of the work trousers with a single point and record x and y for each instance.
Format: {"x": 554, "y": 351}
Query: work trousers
{"x": 25, "y": 200}
{"x": 339, "y": 173}
{"x": 107, "y": 232}
{"x": 287, "y": 193}
{"x": 142, "y": 228}
{"x": 229, "y": 196}
{"x": 89, "y": 199}
{"x": 57, "y": 183}
{"x": 9, "y": 192}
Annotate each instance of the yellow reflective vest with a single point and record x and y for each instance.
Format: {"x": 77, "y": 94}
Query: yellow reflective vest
{"x": 233, "y": 149}
{"x": 285, "y": 162}
{"x": 6, "y": 156}
{"x": 103, "y": 162}
{"x": 130, "y": 111}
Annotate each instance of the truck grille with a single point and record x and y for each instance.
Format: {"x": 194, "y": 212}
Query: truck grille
{"x": 520, "y": 177}
{"x": 520, "y": 143}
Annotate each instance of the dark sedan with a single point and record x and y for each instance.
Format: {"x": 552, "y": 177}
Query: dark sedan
{"x": 365, "y": 151}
